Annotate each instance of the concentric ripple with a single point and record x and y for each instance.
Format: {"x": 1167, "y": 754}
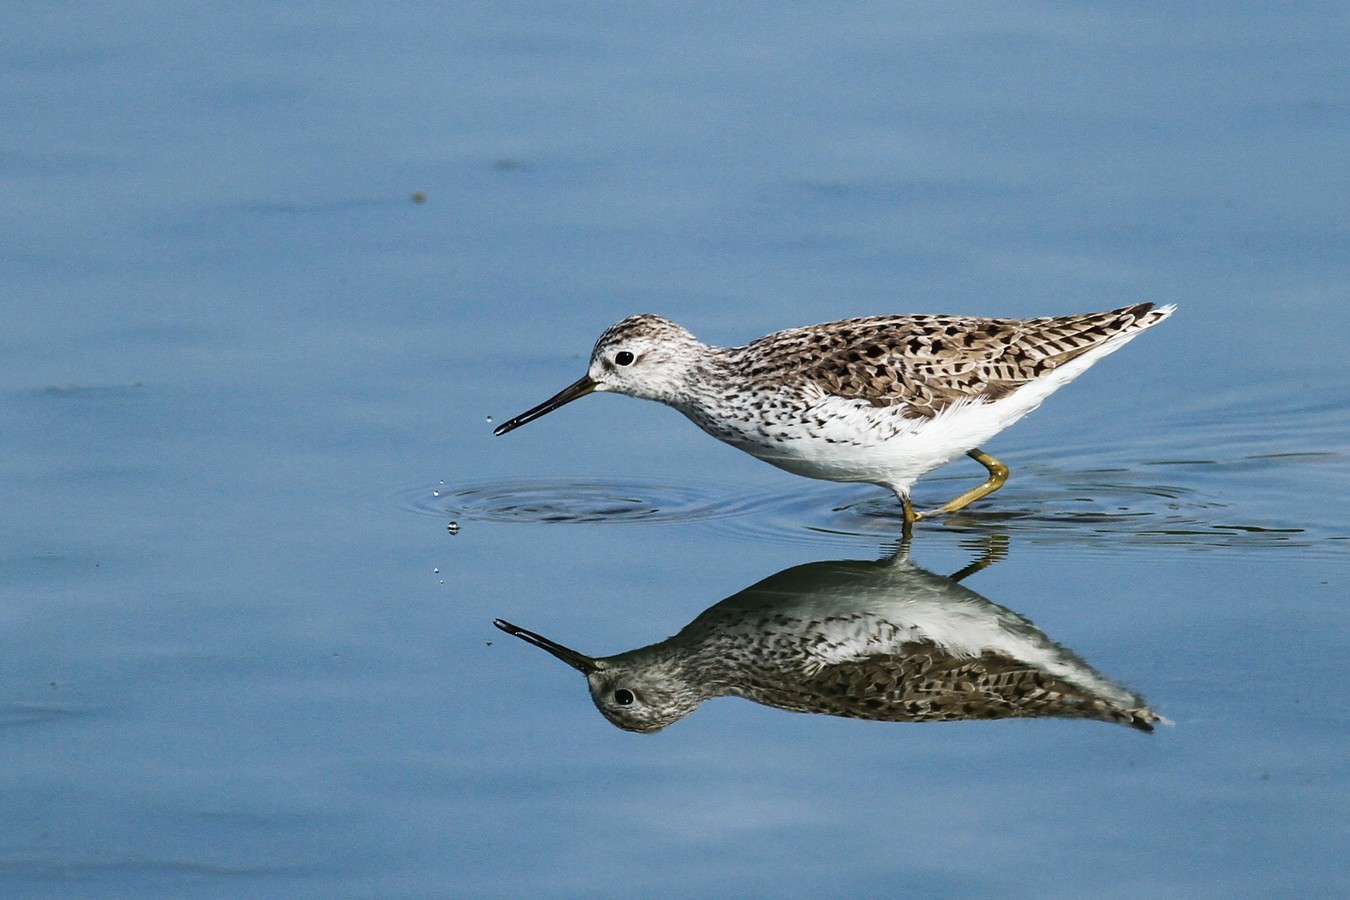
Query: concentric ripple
{"x": 573, "y": 502}
{"x": 1103, "y": 507}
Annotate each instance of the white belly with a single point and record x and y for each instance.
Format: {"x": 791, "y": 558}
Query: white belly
{"x": 847, "y": 440}
{"x": 835, "y": 439}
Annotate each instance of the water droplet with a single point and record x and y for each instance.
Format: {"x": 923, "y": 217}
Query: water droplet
{"x": 453, "y": 528}
{"x": 489, "y": 418}
{"x": 436, "y": 571}
{"x": 435, "y": 493}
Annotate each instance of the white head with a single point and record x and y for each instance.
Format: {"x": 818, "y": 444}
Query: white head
{"x": 642, "y": 356}
{"x": 641, "y": 690}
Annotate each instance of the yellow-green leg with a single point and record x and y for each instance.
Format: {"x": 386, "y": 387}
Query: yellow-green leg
{"x": 911, "y": 515}
{"x": 998, "y": 473}
{"x": 995, "y": 550}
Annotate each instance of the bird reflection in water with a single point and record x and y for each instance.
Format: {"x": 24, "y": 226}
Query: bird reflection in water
{"x": 883, "y": 640}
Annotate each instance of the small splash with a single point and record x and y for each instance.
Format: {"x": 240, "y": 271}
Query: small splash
{"x": 807, "y": 514}
{"x": 551, "y": 502}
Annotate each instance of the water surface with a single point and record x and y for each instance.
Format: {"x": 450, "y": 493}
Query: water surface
{"x": 269, "y": 275}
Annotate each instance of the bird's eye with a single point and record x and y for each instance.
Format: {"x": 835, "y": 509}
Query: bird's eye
{"x": 623, "y": 358}
{"x": 624, "y": 697}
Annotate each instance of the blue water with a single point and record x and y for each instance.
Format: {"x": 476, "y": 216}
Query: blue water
{"x": 268, "y": 275}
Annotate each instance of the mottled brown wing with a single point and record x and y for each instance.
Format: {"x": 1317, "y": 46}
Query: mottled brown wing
{"x": 927, "y": 363}
{"x": 929, "y": 684}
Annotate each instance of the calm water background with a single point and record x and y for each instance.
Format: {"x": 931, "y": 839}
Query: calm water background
{"x": 246, "y": 385}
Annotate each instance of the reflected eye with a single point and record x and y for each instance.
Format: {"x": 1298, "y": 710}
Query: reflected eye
{"x": 623, "y": 358}
{"x": 623, "y": 697}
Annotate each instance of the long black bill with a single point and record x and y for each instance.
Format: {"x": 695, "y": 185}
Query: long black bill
{"x": 566, "y": 395}
{"x": 583, "y": 664}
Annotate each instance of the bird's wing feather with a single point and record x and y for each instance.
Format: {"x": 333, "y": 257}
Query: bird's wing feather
{"x": 926, "y": 363}
{"x": 928, "y": 683}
